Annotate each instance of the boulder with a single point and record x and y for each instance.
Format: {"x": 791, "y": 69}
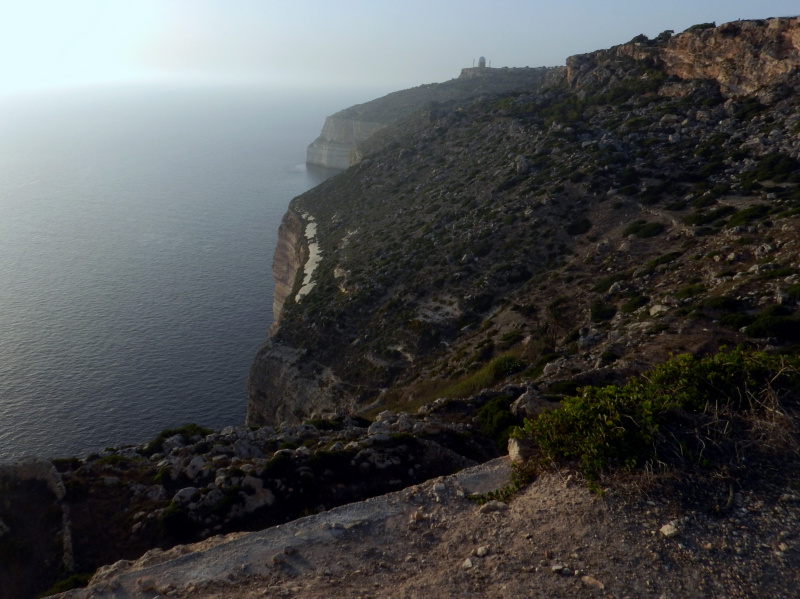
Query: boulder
{"x": 195, "y": 467}
{"x": 185, "y": 495}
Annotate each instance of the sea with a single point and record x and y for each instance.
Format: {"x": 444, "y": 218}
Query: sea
{"x": 137, "y": 226}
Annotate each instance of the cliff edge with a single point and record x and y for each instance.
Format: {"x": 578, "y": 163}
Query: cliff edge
{"x": 479, "y": 225}
{"x": 345, "y": 130}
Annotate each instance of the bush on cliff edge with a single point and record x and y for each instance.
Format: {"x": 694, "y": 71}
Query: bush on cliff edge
{"x": 687, "y": 412}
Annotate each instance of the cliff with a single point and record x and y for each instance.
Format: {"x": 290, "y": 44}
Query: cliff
{"x": 291, "y": 253}
{"x": 446, "y": 245}
{"x": 345, "y": 130}
{"x": 741, "y": 58}
{"x": 527, "y": 258}
{"x": 333, "y": 148}
{"x": 284, "y": 385}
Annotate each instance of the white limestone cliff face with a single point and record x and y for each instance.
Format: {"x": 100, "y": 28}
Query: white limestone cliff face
{"x": 283, "y": 385}
{"x": 333, "y": 148}
{"x": 290, "y": 255}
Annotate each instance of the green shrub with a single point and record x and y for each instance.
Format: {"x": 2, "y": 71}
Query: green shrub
{"x": 187, "y": 432}
{"x": 704, "y": 201}
{"x": 676, "y": 206}
{"x": 634, "y": 304}
{"x": 161, "y": 475}
{"x": 689, "y": 291}
{"x": 496, "y": 370}
{"x": 601, "y": 311}
{"x": 606, "y": 282}
{"x": 510, "y": 338}
{"x": 775, "y": 167}
{"x": 781, "y": 327}
{"x": 747, "y": 215}
{"x": 794, "y": 292}
{"x": 778, "y": 273}
{"x": 669, "y": 415}
{"x": 75, "y": 581}
{"x": 579, "y": 227}
{"x": 643, "y": 229}
{"x": 749, "y": 108}
{"x": 774, "y": 321}
{"x": 496, "y": 421}
{"x": 701, "y": 27}
{"x": 736, "y": 321}
{"x": 650, "y": 267}
{"x": 723, "y": 303}
{"x": 706, "y": 218}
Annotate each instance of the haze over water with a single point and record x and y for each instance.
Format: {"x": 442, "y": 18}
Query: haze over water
{"x": 137, "y": 227}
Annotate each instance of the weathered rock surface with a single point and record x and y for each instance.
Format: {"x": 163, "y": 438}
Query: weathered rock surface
{"x": 291, "y": 253}
{"x": 553, "y": 539}
{"x": 284, "y": 385}
{"x": 742, "y": 57}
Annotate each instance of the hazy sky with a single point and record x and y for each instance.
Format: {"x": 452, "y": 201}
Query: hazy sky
{"x": 314, "y": 43}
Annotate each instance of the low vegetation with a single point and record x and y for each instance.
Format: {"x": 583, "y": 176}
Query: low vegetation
{"x": 496, "y": 370}
{"x": 689, "y": 412}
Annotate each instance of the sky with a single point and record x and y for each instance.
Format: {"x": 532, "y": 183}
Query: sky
{"x": 49, "y": 44}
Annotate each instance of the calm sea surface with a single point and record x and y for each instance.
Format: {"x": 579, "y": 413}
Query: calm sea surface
{"x": 136, "y": 235}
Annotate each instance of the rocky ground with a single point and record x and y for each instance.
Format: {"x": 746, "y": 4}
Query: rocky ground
{"x": 76, "y": 514}
{"x": 552, "y": 539}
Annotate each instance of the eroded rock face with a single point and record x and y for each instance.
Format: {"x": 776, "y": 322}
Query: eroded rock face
{"x": 742, "y": 57}
{"x": 284, "y": 386}
{"x": 332, "y": 149}
{"x": 290, "y": 255}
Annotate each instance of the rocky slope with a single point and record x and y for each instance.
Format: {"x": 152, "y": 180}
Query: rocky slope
{"x": 71, "y": 516}
{"x": 587, "y": 228}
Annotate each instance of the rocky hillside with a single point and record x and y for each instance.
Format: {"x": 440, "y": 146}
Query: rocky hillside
{"x": 645, "y": 205}
{"x": 484, "y": 258}
{"x": 337, "y": 145}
